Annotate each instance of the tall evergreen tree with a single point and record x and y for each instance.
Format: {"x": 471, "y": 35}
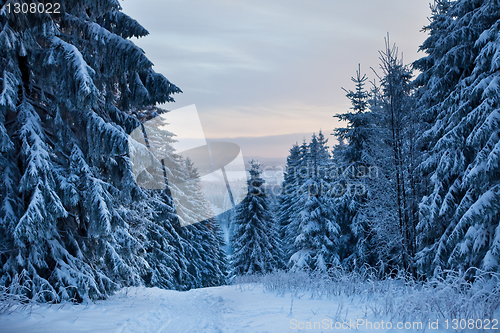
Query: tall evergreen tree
{"x": 290, "y": 198}
{"x": 73, "y": 222}
{"x": 204, "y": 242}
{"x": 377, "y": 209}
{"x": 286, "y": 198}
{"x": 351, "y": 171}
{"x": 460, "y": 213}
{"x": 316, "y": 242}
{"x": 356, "y": 134}
{"x": 178, "y": 257}
{"x": 255, "y": 243}
{"x": 68, "y": 237}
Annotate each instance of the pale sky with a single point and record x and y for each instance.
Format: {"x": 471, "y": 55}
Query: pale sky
{"x": 272, "y": 67}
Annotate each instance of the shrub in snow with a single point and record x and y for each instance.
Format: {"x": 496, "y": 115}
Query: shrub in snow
{"x": 448, "y": 296}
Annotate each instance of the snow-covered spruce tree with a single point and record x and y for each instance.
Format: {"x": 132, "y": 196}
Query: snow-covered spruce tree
{"x": 292, "y": 197}
{"x": 67, "y": 234}
{"x": 356, "y": 134}
{"x": 350, "y": 175}
{"x": 255, "y": 243}
{"x": 73, "y": 222}
{"x": 203, "y": 250}
{"x": 459, "y": 224}
{"x": 287, "y": 199}
{"x": 437, "y": 87}
{"x": 178, "y": 257}
{"x": 316, "y": 243}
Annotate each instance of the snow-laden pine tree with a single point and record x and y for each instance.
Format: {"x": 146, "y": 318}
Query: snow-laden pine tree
{"x": 375, "y": 192}
{"x": 315, "y": 246}
{"x": 255, "y": 243}
{"x": 460, "y": 214}
{"x": 73, "y": 222}
{"x": 351, "y": 172}
{"x": 66, "y": 214}
{"x": 177, "y": 257}
{"x": 356, "y": 134}
{"x": 204, "y": 241}
{"x": 292, "y": 196}
{"x": 288, "y": 199}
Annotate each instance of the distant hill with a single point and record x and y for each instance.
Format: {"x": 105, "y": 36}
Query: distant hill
{"x": 266, "y": 161}
{"x": 270, "y": 150}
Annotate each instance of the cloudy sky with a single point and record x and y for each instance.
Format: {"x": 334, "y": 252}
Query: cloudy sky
{"x": 276, "y": 67}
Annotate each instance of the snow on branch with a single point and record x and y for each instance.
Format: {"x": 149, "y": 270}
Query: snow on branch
{"x": 83, "y": 72}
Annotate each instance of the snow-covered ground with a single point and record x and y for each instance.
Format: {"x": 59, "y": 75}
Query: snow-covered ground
{"x": 236, "y": 308}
